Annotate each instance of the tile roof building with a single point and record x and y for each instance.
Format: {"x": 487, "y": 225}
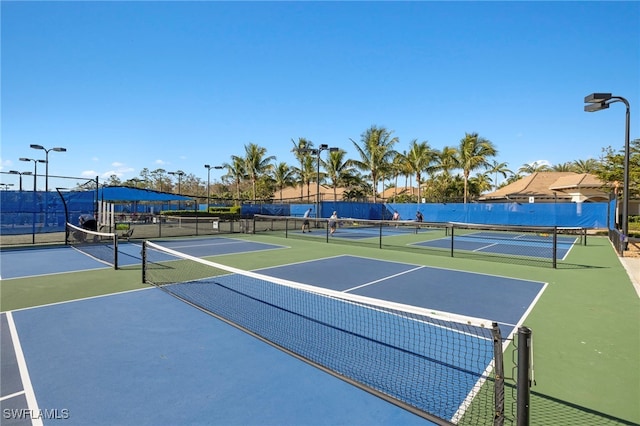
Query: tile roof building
{"x": 566, "y": 187}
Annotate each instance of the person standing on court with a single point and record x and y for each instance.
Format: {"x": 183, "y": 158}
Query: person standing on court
{"x": 419, "y": 218}
{"x": 305, "y": 223}
{"x": 88, "y": 221}
{"x": 333, "y": 223}
{"x": 396, "y": 216}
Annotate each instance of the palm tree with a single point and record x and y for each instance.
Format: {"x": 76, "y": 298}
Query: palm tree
{"x": 236, "y": 171}
{"x": 308, "y": 172}
{"x": 338, "y": 170}
{"x": 283, "y": 177}
{"x": 534, "y": 167}
{"x": 498, "y": 168}
{"x": 300, "y": 152}
{"x": 481, "y": 182}
{"x": 420, "y": 158}
{"x": 256, "y": 163}
{"x": 472, "y": 154}
{"x": 399, "y": 167}
{"x": 375, "y": 153}
{"x": 563, "y": 167}
{"x": 585, "y": 166}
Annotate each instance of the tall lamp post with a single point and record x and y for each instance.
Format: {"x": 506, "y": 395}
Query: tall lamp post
{"x": 35, "y": 169}
{"x": 179, "y": 173}
{"x": 46, "y": 173}
{"x": 209, "y": 167}
{"x": 316, "y": 152}
{"x": 15, "y": 172}
{"x": 597, "y": 102}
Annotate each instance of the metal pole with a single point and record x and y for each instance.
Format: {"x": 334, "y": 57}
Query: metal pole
{"x": 46, "y": 170}
{"x": 625, "y": 199}
{"x": 318, "y": 186}
{"x": 524, "y": 379}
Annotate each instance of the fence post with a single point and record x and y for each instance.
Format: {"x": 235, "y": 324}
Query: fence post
{"x": 524, "y": 378}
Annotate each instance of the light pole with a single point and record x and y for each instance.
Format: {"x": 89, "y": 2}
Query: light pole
{"x": 46, "y": 173}
{"x": 316, "y": 152}
{"x": 179, "y": 173}
{"x": 209, "y": 167}
{"x": 35, "y": 169}
{"x": 15, "y": 172}
{"x": 6, "y": 185}
{"x": 599, "y": 101}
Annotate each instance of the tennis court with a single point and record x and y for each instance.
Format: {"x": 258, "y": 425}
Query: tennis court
{"x": 179, "y": 355}
{"x": 540, "y": 246}
{"x": 65, "y": 259}
{"x": 144, "y": 357}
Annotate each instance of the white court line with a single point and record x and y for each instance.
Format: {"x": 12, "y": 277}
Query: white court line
{"x": 4, "y": 398}
{"x": 32, "y": 404}
{"x": 382, "y": 279}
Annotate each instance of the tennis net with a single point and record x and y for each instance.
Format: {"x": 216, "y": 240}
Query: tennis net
{"x": 102, "y": 246}
{"x": 442, "y": 366}
{"x": 514, "y": 243}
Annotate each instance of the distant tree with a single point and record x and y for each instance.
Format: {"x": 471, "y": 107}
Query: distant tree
{"x": 480, "y": 183}
{"x": 420, "y": 159}
{"x": 338, "y": 171}
{"x": 283, "y": 177}
{"x": 473, "y": 153}
{"x": 113, "y": 180}
{"x": 563, "y": 167}
{"x": 376, "y": 152}
{"x": 497, "y": 168}
{"x": 534, "y": 167}
{"x": 257, "y": 163}
{"x": 585, "y": 166}
{"x": 236, "y": 173}
{"x": 300, "y": 152}
{"x": 611, "y": 168}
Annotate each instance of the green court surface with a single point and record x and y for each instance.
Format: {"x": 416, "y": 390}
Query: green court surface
{"x": 586, "y": 325}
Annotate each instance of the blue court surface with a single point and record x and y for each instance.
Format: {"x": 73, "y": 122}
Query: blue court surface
{"x": 496, "y": 243}
{"x": 55, "y": 260}
{"x": 145, "y": 357}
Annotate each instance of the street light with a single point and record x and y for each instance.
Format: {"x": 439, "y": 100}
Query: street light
{"x": 35, "y": 169}
{"x": 316, "y": 152}
{"x": 46, "y": 173}
{"x": 15, "y": 172}
{"x": 209, "y": 167}
{"x": 6, "y": 185}
{"x": 597, "y": 102}
{"x": 179, "y": 173}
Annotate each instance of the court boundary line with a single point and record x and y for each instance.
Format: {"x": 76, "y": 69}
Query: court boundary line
{"x": 78, "y": 300}
{"x": 276, "y": 247}
{"x": 383, "y": 279}
{"x": 445, "y": 269}
{"x": 58, "y": 273}
{"x": 27, "y": 386}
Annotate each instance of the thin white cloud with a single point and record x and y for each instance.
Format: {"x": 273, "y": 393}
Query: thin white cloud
{"x": 161, "y": 162}
{"x": 89, "y": 173}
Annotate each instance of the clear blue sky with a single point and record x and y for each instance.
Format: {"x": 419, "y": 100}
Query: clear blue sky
{"x": 174, "y": 85}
